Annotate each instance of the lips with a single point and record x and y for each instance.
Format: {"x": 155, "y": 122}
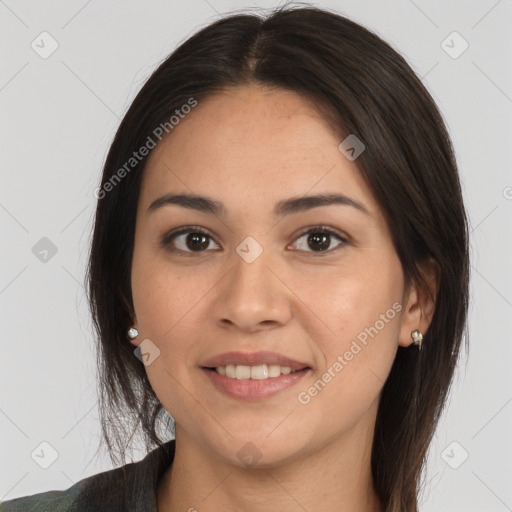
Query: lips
{"x": 253, "y": 376}
{"x": 238, "y": 358}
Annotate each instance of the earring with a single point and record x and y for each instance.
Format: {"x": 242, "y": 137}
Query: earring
{"x": 132, "y": 333}
{"x": 417, "y": 338}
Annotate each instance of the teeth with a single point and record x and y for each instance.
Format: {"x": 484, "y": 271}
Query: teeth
{"x": 260, "y": 372}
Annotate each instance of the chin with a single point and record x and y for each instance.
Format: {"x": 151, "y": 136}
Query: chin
{"x": 256, "y": 451}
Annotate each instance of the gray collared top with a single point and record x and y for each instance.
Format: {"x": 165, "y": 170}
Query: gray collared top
{"x": 129, "y": 488}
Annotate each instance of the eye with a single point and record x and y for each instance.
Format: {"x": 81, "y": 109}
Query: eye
{"x": 318, "y": 239}
{"x": 187, "y": 240}
{"x": 191, "y": 240}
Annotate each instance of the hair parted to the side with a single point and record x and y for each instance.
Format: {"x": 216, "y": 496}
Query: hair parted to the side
{"x": 363, "y": 87}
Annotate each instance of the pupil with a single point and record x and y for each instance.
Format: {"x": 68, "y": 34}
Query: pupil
{"x": 318, "y": 241}
{"x": 197, "y": 241}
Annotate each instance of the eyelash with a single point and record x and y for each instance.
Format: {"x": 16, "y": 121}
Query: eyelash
{"x": 168, "y": 238}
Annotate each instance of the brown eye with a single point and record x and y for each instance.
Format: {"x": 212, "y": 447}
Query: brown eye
{"x": 187, "y": 241}
{"x": 318, "y": 240}
{"x": 194, "y": 240}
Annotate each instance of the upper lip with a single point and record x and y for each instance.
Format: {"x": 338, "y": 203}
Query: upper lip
{"x": 252, "y": 359}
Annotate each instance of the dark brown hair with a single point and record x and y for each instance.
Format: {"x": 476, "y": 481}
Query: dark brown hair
{"x": 363, "y": 87}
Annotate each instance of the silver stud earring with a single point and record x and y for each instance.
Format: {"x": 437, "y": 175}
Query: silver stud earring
{"x": 417, "y": 338}
{"x": 132, "y": 333}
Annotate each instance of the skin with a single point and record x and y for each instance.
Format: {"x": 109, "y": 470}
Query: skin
{"x": 249, "y": 148}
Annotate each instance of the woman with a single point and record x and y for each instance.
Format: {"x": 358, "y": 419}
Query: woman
{"x": 280, "y": 265}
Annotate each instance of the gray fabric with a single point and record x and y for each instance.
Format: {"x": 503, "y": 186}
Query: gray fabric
{"x": 129, "y": 488}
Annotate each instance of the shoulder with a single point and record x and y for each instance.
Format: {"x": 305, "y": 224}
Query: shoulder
{"x": 129, "y": 487}
{"x": 97, "y": 492}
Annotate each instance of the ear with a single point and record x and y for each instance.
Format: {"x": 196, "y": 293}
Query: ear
{"x": 420, "y": 302}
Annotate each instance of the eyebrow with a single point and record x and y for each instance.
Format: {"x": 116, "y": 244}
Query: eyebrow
{"x": 282, "y": 208}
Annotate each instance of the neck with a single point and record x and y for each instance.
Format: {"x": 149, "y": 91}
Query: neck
{"x": 337, "y": 477}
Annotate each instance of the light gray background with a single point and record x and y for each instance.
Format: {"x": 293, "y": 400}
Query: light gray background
{"x": 58, "y": 116}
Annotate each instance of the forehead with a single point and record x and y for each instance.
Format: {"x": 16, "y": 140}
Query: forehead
{"x": 252, "y": 144}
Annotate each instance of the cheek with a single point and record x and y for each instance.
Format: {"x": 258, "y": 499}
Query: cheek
{"x": 167, "y": 303}
{"x": 361, "y": 308}
{"x": 356, "y": 359}
{"x": 164, "y": 295}
{"x": 170, "y": 302}
{"x": 353, "y": 298}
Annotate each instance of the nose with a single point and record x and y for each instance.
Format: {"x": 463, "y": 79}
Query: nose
{"x": 252, "y": 296}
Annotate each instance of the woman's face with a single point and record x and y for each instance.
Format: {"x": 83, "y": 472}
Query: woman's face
{"x": 265, "y": 283}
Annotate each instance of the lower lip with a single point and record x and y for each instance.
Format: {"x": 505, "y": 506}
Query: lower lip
{"x": 252, "y": 389}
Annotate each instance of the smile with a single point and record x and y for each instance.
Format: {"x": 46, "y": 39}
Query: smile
{"x": 243, "y": 386}
{"x": 259, "y": 372}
